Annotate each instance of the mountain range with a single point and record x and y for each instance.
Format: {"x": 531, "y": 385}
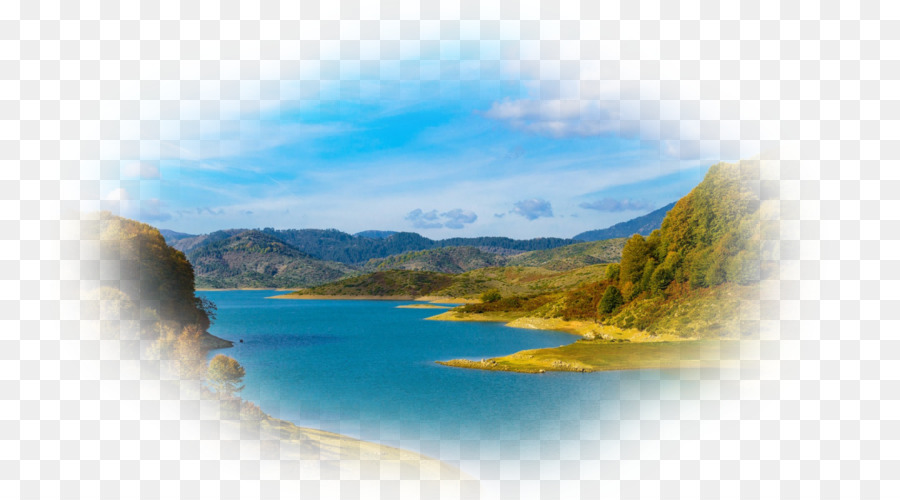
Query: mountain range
{"x": 289, "y": 258}
{"x": 643, "y": 225}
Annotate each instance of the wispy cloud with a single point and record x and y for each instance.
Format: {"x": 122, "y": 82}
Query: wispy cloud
{"x": 557, "y": 117}
{"x": 233, "y": 139}
{"x": 613, "y": 205}
{"x": 533, "y": 209}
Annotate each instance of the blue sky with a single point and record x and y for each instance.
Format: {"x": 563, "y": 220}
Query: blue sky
{"x": 482, "y": 159}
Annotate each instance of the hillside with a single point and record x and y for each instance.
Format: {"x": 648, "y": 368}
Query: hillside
{"x": 173, "y": 236}
{"x": 690, "y": 278}
{"x": 520, "y": 281}
{"x": 524, "y": 281}
{"x": 643, "y": 225}
{"x": 396, "y": 282}
{"x": 357, "y": 250}
{"x": 572, "y": 256}
{"x": 452, "y": 260}
{"x": 375, "y": 234}
{"x": 253, "y": 259}
{"x": 191, "y": 242}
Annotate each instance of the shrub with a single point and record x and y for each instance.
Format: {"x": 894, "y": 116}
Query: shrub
{"x": 612, "y": 299}
{"x": 492, "y": 295}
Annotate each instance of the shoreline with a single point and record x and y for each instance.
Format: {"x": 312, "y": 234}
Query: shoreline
{"x": 600, "y": 348}
{"x": 432, "y": 299}
{"x": 422, "y": 306}
{"x": 335, "y": 452}
{"x": 344, "y": 452}
{"x": 404, "y": 298}
{"x": 242, "y": 289}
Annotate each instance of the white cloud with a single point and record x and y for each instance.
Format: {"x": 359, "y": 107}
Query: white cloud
{"x": 557, "y": 117}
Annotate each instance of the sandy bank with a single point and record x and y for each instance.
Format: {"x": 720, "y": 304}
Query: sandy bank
{"x": 346, "y": 453}
{"x": 441, "y": 299}
{"x": 423, "y": 306}
{"x": 602, "y": 348}
{"x": 595, "y": 356}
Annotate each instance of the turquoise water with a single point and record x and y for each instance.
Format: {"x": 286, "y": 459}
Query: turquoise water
{"x": 366, "y": 369}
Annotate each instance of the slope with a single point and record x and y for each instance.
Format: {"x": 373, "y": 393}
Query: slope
{"x": 357, "y": 250}
{"x": 692, "y": 278}
{"x": 444, "y": 260}
{"x": 572, "y": 256}
{"x": 253, "y": 259}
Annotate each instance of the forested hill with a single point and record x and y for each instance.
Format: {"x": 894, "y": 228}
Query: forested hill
{"x": 338, "y": 246}
{"x": 687, "y": 278}
{"x": 254, "y": 259}
{"x": 643, "y": 225}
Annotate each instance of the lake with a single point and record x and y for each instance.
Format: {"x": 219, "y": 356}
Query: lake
{"x": 367, "y": 369}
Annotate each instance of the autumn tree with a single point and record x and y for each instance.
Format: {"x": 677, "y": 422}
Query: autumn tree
{"x": 191, "y": 352}
{"x": 612, "y": 272}
{"x": 224, "y": 374}
{"x": 634, "y": 258}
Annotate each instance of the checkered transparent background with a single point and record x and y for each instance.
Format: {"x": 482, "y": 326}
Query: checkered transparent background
{"x": 811, "y": 412}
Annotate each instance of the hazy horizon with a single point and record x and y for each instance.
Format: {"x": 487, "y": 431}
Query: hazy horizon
{"x": 354, "y": 233}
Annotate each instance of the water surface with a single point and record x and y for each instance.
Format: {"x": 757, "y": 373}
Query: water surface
{"x": 367, "y": 369}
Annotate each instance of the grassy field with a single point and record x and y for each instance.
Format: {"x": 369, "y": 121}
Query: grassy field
{"x": 603, "y": 355}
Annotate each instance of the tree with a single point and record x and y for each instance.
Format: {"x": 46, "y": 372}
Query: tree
{"x": 190, "y": 352}
{"x": 224, "y": 375}
{"x": 634, "y": 257}
{"x": 612, "y": 299}
{"x": 612, "y": 272}
{"x": 492, "y": 295}
{"x": 661, "y": 278}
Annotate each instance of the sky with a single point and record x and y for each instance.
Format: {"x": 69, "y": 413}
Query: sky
{"x": 477, "y": 157}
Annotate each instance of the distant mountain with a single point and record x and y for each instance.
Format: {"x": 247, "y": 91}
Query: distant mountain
{"x": 173, "y": 236}
{"x": 192, "y": 242}
{"x": 289, "y": 258}
{"x": 643, "y": 225}
{"x": 253, "y": 259}
{"x": 355, "y": 250}
{"x": 375, "y": 234}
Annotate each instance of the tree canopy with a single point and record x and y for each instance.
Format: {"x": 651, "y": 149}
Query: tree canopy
{"x": 225, "y": 374}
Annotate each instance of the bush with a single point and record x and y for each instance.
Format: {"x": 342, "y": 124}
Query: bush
{"x": 612, "y": 272}
{"x": 612, "y": 300}
{"x": 492, "y": 295}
